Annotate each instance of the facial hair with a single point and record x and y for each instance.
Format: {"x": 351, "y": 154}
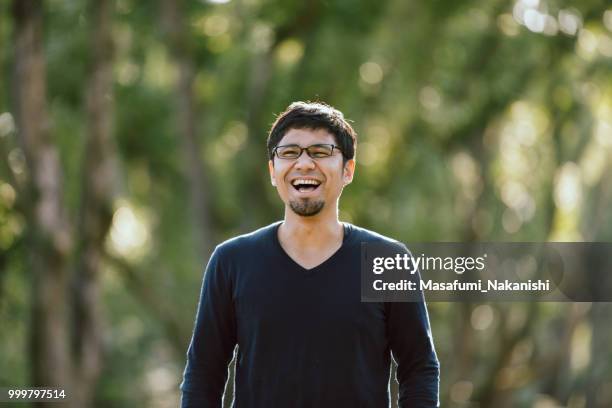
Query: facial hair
{"x": 306, "y": 207}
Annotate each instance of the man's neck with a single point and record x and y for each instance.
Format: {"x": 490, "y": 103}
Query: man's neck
{"x": 321, "y": 230}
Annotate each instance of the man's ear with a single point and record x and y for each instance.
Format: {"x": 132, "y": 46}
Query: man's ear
{"x": 348, "y": 172}
{"x": 271, "y": 170}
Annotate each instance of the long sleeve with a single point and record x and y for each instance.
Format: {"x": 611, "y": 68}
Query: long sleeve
{"x": 213, "y": 340}
{"x": 410, "y": 339}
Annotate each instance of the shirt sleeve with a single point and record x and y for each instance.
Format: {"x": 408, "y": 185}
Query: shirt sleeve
{"x": 410, "y": 339}
{"x": 213, "y": 340}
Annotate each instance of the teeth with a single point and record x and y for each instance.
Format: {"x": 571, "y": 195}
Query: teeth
{"x": 306, "y": 181}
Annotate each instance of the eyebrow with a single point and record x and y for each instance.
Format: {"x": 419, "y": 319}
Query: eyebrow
{"x": 312, "y": 144}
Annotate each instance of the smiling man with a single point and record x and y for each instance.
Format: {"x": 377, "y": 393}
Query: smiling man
{"x": 288, "y": 295}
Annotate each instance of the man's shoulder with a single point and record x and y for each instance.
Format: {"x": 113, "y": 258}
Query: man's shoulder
{"x": 363, "y": 235}
{"x": 252, "y": 241}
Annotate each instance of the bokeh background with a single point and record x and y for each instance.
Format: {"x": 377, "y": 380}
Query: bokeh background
{"x": 132, "y": 140}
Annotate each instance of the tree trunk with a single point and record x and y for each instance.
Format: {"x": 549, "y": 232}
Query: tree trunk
{"x": 49, "y": 233}
{"x": 96, "y": 209}
{"x": 173, "y": 23}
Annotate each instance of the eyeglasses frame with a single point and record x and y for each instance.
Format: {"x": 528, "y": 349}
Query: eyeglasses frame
{"x": 302, "y": 149}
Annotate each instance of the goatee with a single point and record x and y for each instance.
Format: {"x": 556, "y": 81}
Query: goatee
{"x": 306, "y": 208}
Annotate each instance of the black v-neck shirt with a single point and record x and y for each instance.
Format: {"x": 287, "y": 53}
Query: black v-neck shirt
{"x": 304, "y": 337}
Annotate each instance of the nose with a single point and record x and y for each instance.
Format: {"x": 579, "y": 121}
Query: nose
{"x": 304, "y": 162}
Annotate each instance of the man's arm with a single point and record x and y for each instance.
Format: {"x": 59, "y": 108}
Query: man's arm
{"x": 418, "y": 369}
{"x": 213, "y": 341}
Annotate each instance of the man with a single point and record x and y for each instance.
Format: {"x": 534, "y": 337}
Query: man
{"x": 289, "y": 294}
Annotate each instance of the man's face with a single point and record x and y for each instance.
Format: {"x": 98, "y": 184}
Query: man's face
{"x": 308, "y": 185}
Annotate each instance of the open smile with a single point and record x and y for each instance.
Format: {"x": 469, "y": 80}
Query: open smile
{"x": 305, "y": 185}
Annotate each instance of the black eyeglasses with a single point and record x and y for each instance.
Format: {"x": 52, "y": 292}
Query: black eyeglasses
{"x": 315, "y": 151}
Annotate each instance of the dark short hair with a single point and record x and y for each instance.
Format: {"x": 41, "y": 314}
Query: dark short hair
{"x": 313, "y": 115}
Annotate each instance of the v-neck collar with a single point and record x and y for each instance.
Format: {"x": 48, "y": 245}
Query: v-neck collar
{"x": 346, "y": 230}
